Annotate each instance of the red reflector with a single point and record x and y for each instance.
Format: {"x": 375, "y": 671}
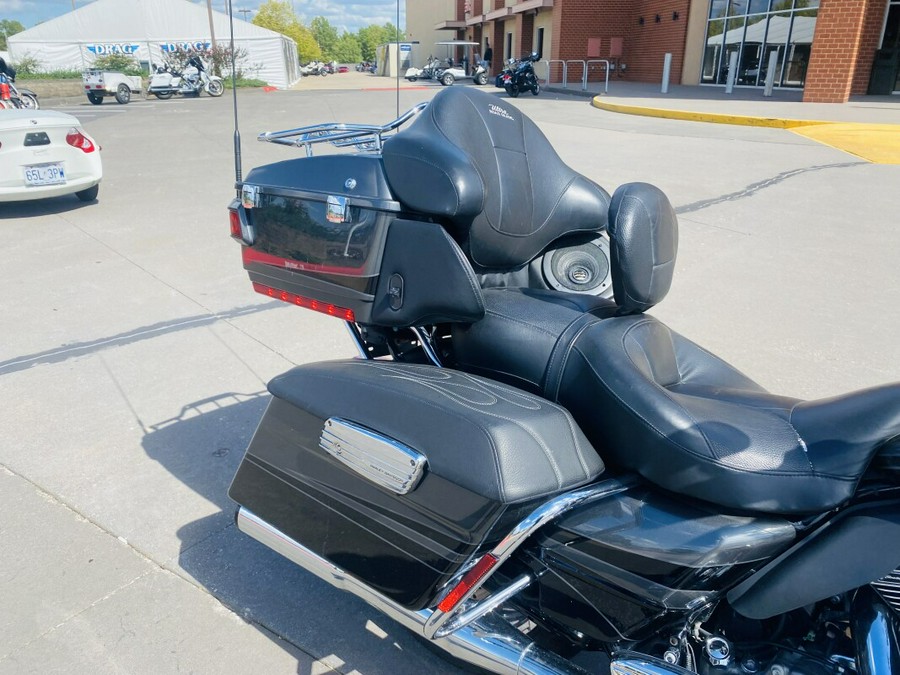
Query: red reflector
{"x": 472, "y": 577}
{"x": 78, "y": 140}
{"x": 235, "y": 221}
{"x": 308, "y": 303}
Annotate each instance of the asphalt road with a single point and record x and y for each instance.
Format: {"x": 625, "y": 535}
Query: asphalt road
{"x": 134, "y": 357}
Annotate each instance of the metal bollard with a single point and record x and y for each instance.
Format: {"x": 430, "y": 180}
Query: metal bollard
{"x": 667, "y": 71}
{"x": 770, "y": 73}
{"x": 732, "y": 72}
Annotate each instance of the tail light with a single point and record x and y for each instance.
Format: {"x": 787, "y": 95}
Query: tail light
{"x": 4, "y": 91}
{"x": 77, "y": 139}
{"x": 308, "y": 303}
{"x": 241, "y": 229}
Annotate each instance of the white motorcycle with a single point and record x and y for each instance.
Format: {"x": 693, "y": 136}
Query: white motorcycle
{"x": 166, "y": 81}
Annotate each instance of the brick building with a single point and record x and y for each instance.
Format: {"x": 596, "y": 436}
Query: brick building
{"x": 829, "y": 48}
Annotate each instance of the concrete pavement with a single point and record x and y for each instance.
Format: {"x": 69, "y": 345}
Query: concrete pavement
{"x": 134, "y": 357}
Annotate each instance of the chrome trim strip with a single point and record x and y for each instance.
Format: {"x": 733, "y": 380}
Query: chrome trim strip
{"x": 634, "y": 663}
{"x": 490, "y": 643}
{"x": 357, "y": 340}
{"x": 487, "y": 605}
{"x": 426, "y": 342}
{"x": 375, "y": 457}
{"x": 507, "y": 546}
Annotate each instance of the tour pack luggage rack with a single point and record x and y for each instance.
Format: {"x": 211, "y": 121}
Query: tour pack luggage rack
{"x": 363, "y": 137}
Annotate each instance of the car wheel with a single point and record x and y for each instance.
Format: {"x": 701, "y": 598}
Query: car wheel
{"x": 512, "y": 90}
{"x": 163, "y": 95}
{"x": 447, "y": 79}
{"x": 481, "y": 79}
{"x": 215, "y": 88}
{"x": 536, "y": 89}
{"x": 123, "y": 94}
{"x": 412, "y": 78}
{"x": 96, "y": 99}
{"x": 88, "y": 195}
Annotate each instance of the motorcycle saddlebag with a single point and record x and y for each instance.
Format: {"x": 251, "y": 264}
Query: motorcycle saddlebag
{"x": 400, "y": 473}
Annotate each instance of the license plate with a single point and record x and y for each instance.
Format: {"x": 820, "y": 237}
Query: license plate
{"x": 45, "y": 174}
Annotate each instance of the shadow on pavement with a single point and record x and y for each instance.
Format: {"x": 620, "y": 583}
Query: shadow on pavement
{"x": 287, "y": 604}
{"x": 47, "y": 206}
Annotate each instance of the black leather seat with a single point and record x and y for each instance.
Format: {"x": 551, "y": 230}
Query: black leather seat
{"x": 648, "y": 399}
{"x": 654, "y": 402}
{"x": 485, "y": 170}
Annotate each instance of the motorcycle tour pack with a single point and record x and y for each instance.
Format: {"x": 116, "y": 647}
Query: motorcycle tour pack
{"x": 519, "y": 450}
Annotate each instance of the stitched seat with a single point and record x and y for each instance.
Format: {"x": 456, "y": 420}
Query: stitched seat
{"x": 654, "y": 402}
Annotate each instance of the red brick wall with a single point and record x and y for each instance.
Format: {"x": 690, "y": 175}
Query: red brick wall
{"x": 868, "y": 45}
{"x": 645, "y": 46}
{"x": 835, "y": 50}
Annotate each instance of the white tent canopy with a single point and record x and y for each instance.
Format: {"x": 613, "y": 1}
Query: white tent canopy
{"x": 803, "y": 29}
{"x": 146, "y": 29}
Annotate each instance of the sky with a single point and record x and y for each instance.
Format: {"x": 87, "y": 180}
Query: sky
{"x": 345, "y": 15}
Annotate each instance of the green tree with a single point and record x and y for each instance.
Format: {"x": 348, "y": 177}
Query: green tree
{"x": 307, "y": 47}
{"x": 8, "y": 27}
{"x": 326, "y": 35}
{"x": 278, "y": 15}
{"x": 347, "y": 49}
{"x": 372, "y": 36}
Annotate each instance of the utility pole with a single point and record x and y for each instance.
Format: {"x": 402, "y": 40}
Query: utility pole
{"x": 212, "y": 30}
{"x": 245, "y": 12}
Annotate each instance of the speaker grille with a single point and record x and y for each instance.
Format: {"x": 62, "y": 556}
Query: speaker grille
{"x": 583, "y": 268}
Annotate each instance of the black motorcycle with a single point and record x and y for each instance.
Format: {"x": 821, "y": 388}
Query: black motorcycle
{"x": 521, "y": 76}
{"x": 540, "y": 480}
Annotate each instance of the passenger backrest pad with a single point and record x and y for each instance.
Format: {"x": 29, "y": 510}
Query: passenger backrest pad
{"x": 476, "y": 161}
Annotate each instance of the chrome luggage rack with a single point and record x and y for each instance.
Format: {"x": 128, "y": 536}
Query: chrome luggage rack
{"x": 362, "y": 137}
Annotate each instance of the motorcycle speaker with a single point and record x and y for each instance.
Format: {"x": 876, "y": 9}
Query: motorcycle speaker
{"x": 582, "y": 268}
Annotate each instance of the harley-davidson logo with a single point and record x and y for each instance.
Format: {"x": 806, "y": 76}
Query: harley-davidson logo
{"x": 495, "y": 109}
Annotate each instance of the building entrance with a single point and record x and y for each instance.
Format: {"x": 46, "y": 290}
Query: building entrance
{"x": 885, "y": 77}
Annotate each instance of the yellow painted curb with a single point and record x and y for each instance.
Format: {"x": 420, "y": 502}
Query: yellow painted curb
{"x": 877, "y": 143}
{"x": 691, "y": 116}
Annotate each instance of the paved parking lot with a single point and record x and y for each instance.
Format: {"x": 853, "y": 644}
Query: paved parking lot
{"x": 134, "y": 357}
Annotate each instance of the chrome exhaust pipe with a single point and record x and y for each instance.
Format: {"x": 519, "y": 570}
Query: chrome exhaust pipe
{"x": 489, "y": 642}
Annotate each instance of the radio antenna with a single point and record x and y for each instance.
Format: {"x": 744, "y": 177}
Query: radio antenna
{"x": 398, "y": 57}
{"x": 238, "y": 174}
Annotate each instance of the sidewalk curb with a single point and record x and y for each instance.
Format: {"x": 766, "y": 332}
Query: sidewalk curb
{"x": 716, "y": 118}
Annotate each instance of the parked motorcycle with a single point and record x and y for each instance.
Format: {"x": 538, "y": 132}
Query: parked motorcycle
{"x": 522, "y": 78}
{"x": 540, "y": 480}
{"x": 166, "y": 81}
{"x": 11, "y": 97}
{"x": 314, "y": 68}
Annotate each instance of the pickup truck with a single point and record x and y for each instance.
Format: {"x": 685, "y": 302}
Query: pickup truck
{"x": 101, "y": 83}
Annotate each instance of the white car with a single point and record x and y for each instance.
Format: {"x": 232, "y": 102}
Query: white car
{"x": 46, "y": 153}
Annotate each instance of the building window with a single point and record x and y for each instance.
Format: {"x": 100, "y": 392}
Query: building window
{"x": 754, "y": 30}
{"x": 508, "y": 47}
{"x": 539, "y": 43}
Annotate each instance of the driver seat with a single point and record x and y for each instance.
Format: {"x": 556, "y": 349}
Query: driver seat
{"x": 648, "y": 399}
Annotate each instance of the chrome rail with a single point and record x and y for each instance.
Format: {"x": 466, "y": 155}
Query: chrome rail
{"x": 440, "y": 623}
{"x": 550, "y": 63}
{"x": 364, "y": 137}
{"x": 490, "y": 642}
{"x": 585, "y": 78}
{"x": 565, "y": 75}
